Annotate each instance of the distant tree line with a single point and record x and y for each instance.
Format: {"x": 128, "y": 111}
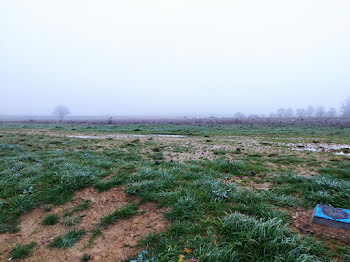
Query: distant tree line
{"x": 309, "y": 113}
{"x": 303, "y": 113}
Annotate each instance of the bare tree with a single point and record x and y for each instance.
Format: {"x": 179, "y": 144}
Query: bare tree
{"x": 320, "y": 112}
{"x": 289, "y": 113}
{"x": 332, "y": 112}
{"x": 345, "y": 109}
{"x": 239, "y": 115}
{"x": 281, "y": 112}
{"x": 61, "y": 111}
{"x": 300, "y": 112}
{"x": 272, "y": 115}
{"x": 310, "y": 111}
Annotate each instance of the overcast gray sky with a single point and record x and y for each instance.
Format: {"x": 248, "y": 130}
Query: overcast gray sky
{"x": 185, "y": 56}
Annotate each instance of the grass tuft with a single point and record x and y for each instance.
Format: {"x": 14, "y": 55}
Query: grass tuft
{"x": 22, "y": 251}
{"x": 50, "y": 220}
{"x": 124, "y": 212}
{"x": 68, "y": 239}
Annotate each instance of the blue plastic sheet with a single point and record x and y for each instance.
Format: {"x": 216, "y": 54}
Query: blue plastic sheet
{"x": 319, "y": 213}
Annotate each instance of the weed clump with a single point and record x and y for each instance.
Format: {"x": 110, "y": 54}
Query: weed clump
{"x": 50, "y": 220}
{"x": 186, "y": 208}
{"x": 125, "y": 212}
{"x": 85, "y": 257}
{"x": 22, "y": 251}
{"x": 68, "y": 239}
{"x": 81, "y": 207}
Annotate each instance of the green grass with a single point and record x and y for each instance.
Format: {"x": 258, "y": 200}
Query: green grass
{"x": 199, "y": 200}
{"x": 71, "y": 220}
{"x": 22, "y": 251}
{"x": 237, "y": 167}
{"x": 51, "y": 219}
{"x": 284, "y": 131}
{"x": 121, "y": 213}
{"x": 80, "y": 207}
{"x": 68, "y": 239}
{"x": 316, "y": 189}
{"x": 337, "y": 169}
{"x": 270, "y": 239}
{"x": 85, "y": 257}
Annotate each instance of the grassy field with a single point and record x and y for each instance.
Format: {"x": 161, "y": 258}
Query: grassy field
{"x": 216, "y": 193}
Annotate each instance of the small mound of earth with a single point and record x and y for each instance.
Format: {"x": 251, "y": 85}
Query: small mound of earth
{"x": 302, "y": 221}
{"x": 116, "y": 243}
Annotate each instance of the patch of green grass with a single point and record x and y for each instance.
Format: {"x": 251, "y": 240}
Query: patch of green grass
{"x": 339, "y": 170}
{"x": 289, "y": 160}
{"x": 281, "y": 200}
{"x": 157, "y": 156}
{"x": 121, "y": 213}
{"x": 80, "y": 207}
{"x": 185, "y": 208}
{"x": 85, "y": 257}
{"x": 68, "y": 239}
{"x": 254, "y": 239}
{"x": 71, "y": 220}
{"x": 22, "y": 251}
{"x": 182, "y": 149}
{"x": 317, "y": 189}
{"x": 39, "y": 170}
{"x": 239, "y": 168}
{"x": 114, "y": 182}
{"x": 220, "y": 151}
{"x": 51, "y": 219}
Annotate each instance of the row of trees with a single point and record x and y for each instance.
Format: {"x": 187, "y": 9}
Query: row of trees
{"x": 317, "y": 112}
{"x": 308, "y": 112}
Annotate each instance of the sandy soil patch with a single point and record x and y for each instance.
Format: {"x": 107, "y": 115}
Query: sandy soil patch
{"x": 116, "y": 243}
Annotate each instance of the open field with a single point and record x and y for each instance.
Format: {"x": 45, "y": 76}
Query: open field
{"x": 86, "y": 192}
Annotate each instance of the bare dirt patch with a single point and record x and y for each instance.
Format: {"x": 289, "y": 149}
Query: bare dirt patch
{"x": 118, "y": 242}
{"x": 115, "y": 243}
{"x": 302, "y": 221}
{"x": 260, "y": 186}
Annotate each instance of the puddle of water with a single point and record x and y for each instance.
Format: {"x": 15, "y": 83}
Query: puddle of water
{"x": 94, "y": 137}
{"x": 321, "y": 147}
{"x": 123, "y": 136}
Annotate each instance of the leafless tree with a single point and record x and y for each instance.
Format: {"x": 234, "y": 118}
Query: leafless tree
{"x": 300, "y": 112}
{"x": 320, "y": 112}
{"x": 332, "y": 112}
{"x": 345, "y": 109}
{"x": 239, "y": 115}
{"x": 281, "y": 112}
{"x": 310, "y": 111}
{"x": 289, "y": 113}
{"x": 61, "y": 111}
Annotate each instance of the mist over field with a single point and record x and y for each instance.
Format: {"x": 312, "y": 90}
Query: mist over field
{"x": 187, "y": 130}
{"x": 173, "y": 58}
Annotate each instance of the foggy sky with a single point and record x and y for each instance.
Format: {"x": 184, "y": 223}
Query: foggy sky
{"x": 172, "y": 57}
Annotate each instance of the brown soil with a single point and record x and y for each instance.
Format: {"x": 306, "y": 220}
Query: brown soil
{"x": 302, "y": 222}
{"x": 116, "y": 243}
{"x": 260, "y": 186}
